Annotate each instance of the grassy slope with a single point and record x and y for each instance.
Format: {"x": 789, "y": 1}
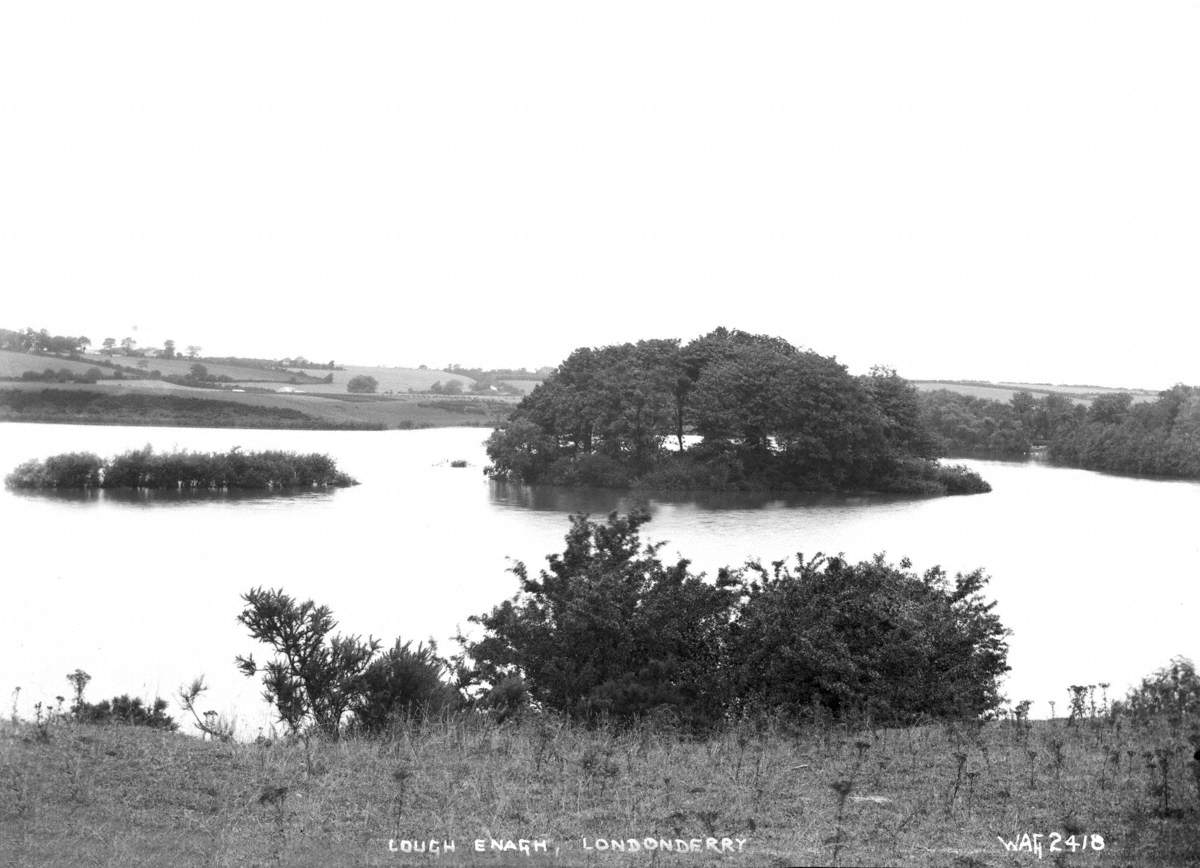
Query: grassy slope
{"x": 390, "y": 379}
{"x": 181, "y": 367}
{"x": 124, "y": 796}
{"x": 324, "y": 411}
{"x": 1003, "y": 392}
{"x": 15, "y": 364}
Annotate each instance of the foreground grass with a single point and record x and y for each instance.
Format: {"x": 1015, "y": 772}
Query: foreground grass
{"x": 935, "y": 795}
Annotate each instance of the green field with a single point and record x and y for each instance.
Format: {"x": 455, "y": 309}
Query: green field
{"x": 523, "y": 386}
{"x": 937, "y": 795}
{"x": 14, "y": 364}
{"x": 1003, "y": 392}
{"x": 147, "y": 402}
{"x": 395, "y": 380}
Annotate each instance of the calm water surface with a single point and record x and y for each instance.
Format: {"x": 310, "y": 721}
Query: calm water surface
{"x": 1097, "y": 576}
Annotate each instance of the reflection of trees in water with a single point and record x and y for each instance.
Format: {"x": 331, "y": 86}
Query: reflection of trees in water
{"x": 599, "y": 501}
{"x": 169, "y": 497}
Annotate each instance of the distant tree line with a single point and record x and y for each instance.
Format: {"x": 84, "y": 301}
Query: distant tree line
{"x": 967, "y": 425}
{"x": 41, "y": 341}
{"x": 1153, "y": 438}
{"x": 763, "y": 414}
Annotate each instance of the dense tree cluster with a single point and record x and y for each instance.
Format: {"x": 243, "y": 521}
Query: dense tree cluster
{"x": 609, "y": 630}
{"x": 729, "y": 410}
{"x": 1158, "y": 438}
{"x": 966, "y": 425}
{"x": 145, "y": 468}
{"x": 1153, "y": 438}
{"x": 41, "y": 341}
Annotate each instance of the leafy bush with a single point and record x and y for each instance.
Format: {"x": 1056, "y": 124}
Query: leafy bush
{"x": 315, "y": 679}
{"x": 363, "y": 384}
{"x": 610, "y": 630}
{"x": 869, "y": 639}
{"x": 1172, "y": 692}
{"x": 404, "y": 682}
{"x": 120, "y": 709}
{"x": 70, "y": 470}
{"x": 126, "y": 710}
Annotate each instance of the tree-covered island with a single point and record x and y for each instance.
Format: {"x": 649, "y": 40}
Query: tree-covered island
{"x": 727, "y": 411}
{"x": 181, "y": 471}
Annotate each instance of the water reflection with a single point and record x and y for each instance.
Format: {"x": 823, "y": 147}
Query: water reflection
{"x": 598, "y": 501}
{"x": 141, "y": 497}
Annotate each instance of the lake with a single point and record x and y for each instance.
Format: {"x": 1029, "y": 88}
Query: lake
{"x": 1096, "y": 575}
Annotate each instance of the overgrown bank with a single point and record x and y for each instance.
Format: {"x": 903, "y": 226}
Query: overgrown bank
{"x": 1114, "y": 434}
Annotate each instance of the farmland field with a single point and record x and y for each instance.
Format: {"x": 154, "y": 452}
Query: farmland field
{"x": 13, "y": 364}
{"x": 331, "y": 410}
{"x": 1003, "y": 392}
{"x": 390, "y": 379}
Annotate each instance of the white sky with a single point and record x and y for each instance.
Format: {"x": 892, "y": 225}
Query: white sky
{"x": 958, "y": 189}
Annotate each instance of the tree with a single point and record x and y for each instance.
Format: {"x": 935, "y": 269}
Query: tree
{"x": 127, "y": 345}
{"x": 193, "y": 351}
{"x": 108, "y": 346}
{"x": 404, "y": 682}
{"x": 363, "y": 384}
{"x": 168, "y": 349}
{"x": 198, "y": 372}
{"x": 314, "y": 677}
{"x": 609, "y": 629}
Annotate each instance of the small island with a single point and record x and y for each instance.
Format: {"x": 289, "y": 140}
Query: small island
{"x": 182, "y": 471}
{"x": 728, "y": 411}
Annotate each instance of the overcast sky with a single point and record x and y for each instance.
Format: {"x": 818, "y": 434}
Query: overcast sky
{"x": 1001, "y": 190}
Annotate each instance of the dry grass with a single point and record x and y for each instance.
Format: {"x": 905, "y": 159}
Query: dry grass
{"x": 928, "y": 796}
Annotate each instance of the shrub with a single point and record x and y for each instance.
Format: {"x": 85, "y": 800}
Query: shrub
{"x": 868, "y": 639}
{"x": 609, "y": 630}
{"x": 1172, "y": 692}
{"x": 314, "y": 677}
{"x": 130, "y": 711}
{"x": 404, "y": 682}
{"x": 120, "y": 709}
{"x": 362, "y": 384}
{"x": 70, "y": 470}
